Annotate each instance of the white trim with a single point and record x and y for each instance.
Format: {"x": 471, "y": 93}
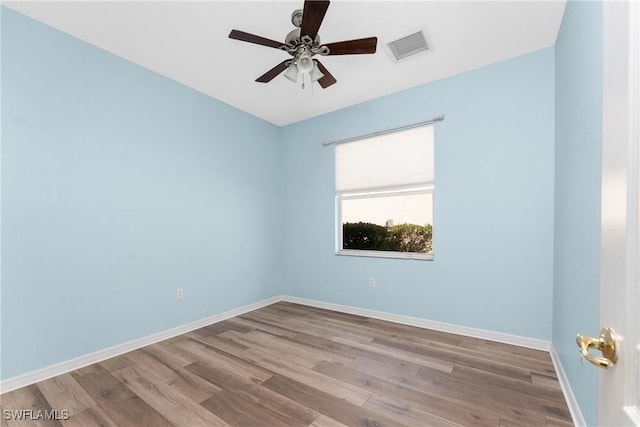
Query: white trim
{"x": 89, "y": 359}
{"x": 521, "y": 341}
{"x": 385, "y": 254}
{"x": 633, "y": 221}
{"x": 574, "y": 408}
{"x": 107, "y": 353}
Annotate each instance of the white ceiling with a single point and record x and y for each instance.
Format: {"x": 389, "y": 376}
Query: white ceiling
{"x": 188, "y": 42}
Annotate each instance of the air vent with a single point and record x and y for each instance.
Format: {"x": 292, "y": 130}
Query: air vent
{"x": 408, "y": 45}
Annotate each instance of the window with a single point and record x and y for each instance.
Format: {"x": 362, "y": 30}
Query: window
{"x": 384, "y": 195}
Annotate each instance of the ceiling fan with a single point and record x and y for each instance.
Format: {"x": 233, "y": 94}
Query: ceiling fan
{"x": 303, "y": 43}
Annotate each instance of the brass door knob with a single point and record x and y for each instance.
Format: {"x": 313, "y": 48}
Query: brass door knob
{"x": 606, "y": 343}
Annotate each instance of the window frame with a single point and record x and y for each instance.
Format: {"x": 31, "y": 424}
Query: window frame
{"x": 377, "y": 193}
{"x": 409, "y": 189}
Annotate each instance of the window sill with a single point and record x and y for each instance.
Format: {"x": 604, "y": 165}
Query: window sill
{"x": 387, "y": 254}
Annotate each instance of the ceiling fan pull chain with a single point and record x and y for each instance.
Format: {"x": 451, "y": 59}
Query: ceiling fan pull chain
{"x": 302, "y": 81}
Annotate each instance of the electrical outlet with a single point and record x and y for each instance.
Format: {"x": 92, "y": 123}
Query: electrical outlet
{"x": 179, "y": 293}
{"x": 372, "y": 282}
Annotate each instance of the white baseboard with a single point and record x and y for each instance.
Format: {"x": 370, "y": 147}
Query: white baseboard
{"x": 107, "y": 353}
{"x": 521, "y": 341}
{"x": 574, "y": 408}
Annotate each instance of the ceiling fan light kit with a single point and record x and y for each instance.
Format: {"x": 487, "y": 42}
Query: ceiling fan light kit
{"x": 292, "y": 72}
{"x": 303, "y": 43}
{"x": 304, "y": 62}
{"x": 316, "y": 74}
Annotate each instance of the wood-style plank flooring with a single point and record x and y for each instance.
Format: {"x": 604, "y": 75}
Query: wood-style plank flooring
{"x": 293, "y": 365}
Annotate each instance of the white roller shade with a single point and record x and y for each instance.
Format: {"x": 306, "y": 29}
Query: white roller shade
{"x": 391, "y": 160}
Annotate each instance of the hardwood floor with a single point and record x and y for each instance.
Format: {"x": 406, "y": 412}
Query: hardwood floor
{"x": 293, "y": 365}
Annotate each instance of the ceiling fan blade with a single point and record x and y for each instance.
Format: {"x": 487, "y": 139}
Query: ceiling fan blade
{"x": 274, "y": 72}
{"x": 252, "y": 38}
{"x": 312, "y": 16}
{"x": 327, "y": 80}
{"x": 353, "y": 47}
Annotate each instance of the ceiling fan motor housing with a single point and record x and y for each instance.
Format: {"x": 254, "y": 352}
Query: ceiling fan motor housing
{"x": 293, "y": 42}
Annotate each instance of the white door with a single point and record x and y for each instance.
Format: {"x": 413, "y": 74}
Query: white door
{"x": 619, "y": 386}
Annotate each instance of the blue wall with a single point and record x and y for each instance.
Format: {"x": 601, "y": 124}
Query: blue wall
{"x": 577, "y": 193}
{"x": 119, "y": 186}
{"x": 493, "y": 223}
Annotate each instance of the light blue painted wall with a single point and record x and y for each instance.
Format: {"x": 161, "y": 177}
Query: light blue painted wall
{"x": 577, "y": 193}
{"x": 493, "y": 225}
{"x": 119, "y": 186}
